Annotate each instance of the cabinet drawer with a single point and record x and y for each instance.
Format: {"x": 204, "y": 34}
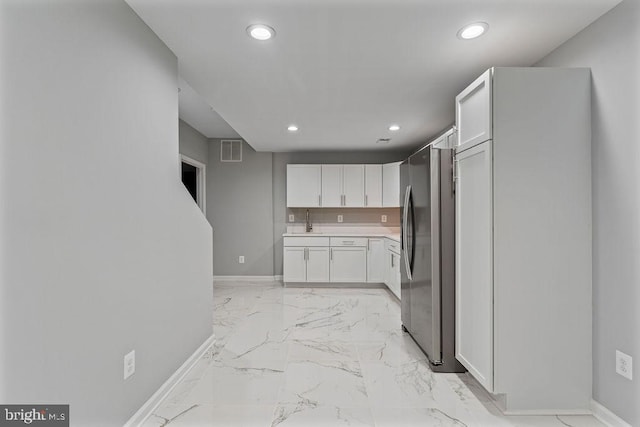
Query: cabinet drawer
{"x": 349, "y": 241}
{"x": 305, "y": 241}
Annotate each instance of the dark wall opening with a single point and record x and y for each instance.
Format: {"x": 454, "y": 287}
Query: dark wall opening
{"x": 190, "y": 179}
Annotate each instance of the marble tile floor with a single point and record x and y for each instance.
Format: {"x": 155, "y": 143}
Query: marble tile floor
{"x": 320, "y": 357}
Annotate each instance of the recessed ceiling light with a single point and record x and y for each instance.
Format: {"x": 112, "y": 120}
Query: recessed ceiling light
{"x": 472, "y": 31}
{"x": 261, "y": 32}
{"x": 394, "y": 128}
{"x": 292, "y": 128}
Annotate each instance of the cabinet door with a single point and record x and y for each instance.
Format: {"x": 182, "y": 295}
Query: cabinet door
{"x": 394, "y": 274}
{"x": 317, "y": 264}
{"x": 331, "y": 186}
{"x": 375, "y": 261}
{"x": 391, "y": 185}
{"x": 473, "y": 112}
{"x": 474, "y": 262}
{"x": 303, "y": 186}
{"x": 373, "y": 186}
{"x": 353, "y": 186}
{"x": 348, "y": 264}
{"x": 294, "y": 265}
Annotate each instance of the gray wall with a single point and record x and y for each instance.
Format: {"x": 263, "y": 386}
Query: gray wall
{"x": 280, "y": 161}
{"x": 611, "y": 47}
{"x": 193, "y": 144}
{"x": 102, "y": 249}
{"x": 239, "y": 208}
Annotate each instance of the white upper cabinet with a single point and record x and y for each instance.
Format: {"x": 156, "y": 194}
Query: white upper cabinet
{"x": 331, "y": 186}
{"x": 391, "y": 185}
{"x": 473, "y": 112}
{"x": 373, "y": 186}
{"x": 342, "y": 186}
{"x": 303, "y": 186}
{"x": 353, "y": 186}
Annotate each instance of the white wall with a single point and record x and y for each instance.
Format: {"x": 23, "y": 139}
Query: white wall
{"x": 611, "y": 47}
{"x": 193, "y": 144}
{"x": 102, "y": 249}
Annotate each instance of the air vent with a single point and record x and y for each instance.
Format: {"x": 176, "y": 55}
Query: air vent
{"x": 231, "y": 150}
{"x": 383, "y": 141}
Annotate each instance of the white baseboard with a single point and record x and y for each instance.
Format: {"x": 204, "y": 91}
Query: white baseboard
{"x": 247, "y": 278}
{"x": 547, "y": 412}
{"x": 154, "y": 401}
{"x": 606, "y": 416}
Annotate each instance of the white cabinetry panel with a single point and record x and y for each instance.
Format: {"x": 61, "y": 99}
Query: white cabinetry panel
{"x": 294, "y": 268}
{"x": 348, "y": 264}
{"x": 373, "y": 186}
{"x": 303, "y": 185}
{"x": 391, "y": 185}
{"x": 473, "y": 112}
{"x": 306, "y": 259}
{"x": 376, "y": 261}
{"x": 317, "y": 264}
{"x": 353, "y": 186}
{"x": 474, "y": 283}
{"x": 332, "y": 186}
{"x": 523, "y": 236}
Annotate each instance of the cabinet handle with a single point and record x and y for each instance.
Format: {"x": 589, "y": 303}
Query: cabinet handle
{"x": 305, "y": 254}
{"x": 366, "y": 200}
{"x": 368, "y": 247}
{"x": 391, "y": 260}
{"x": 348, "y": 242}
{"x": 319, "y": 200}
{"x": 330, "y": 254}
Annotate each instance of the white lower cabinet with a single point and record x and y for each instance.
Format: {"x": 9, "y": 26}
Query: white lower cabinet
{"x": 317, "y": 259}
{"x": 317, "y": 264}
{"x": 376, "y": 261}
{"x": 348, "y": 258}
{"x": 392, "y": 266}
{"x": 306, "y": 259}
{"x": 294, "y": 265}
{"x": 348, "y": 264}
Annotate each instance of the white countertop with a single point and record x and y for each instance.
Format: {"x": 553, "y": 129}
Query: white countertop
{"x": 392, "y": 236}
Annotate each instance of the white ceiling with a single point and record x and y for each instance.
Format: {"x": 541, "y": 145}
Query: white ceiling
{"x": 343, "y": 71}
{"x": 200, "y": 115}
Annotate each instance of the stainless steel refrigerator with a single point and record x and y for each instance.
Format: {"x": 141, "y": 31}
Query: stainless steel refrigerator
{"x": 427, "y": 255}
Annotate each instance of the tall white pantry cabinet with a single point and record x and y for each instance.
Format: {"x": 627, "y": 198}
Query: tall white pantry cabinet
{"x": 523, "y": 237}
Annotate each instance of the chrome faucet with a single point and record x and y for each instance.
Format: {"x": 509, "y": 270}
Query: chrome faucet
{"x": 309, "y": 226}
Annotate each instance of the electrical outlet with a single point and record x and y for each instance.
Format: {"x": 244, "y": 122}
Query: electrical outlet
{"x": 292, "y": 218}
{"x": 383, "y": 218}
{"x": 339, "y": 218}
{"x": 129, "y": 364}
{"x": 241, "y": 259}
{"x": 624, "y": 365}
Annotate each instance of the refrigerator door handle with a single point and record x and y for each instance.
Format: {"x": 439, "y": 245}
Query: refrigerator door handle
{"x": 405, "y": 217}
{"x": 436, "y": 283}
